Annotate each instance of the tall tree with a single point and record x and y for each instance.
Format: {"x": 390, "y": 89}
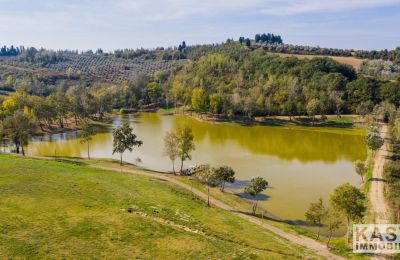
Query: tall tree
{"x": 124, "y": 139}
{"x": 360, "y": 168}
{"x": 374, "y": 139}
{"x": 86, "y": 135}
{"x": 350, "y": 201}
{"x": 185, "y": 144}
{"x": 257, "y": 185}
{"x": 206, "y": 174}
{"x": 333, "y": 223}
{"x": 171, "y": 147}
{"x": 316, "y": 214}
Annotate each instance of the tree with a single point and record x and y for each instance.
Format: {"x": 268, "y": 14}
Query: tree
{"x": 333, "y": 223}
{"x": 312, "y": 108}
{"x": 18, "y": 128}
{"x": 360, "y": 168}
{"x": 185, "y": 144}
{"x": 198, "y": 100}
{"x": 257, "y": 185}
{"x": 124, "y": 139}
{"x": 316, "y": 213}
{"x": 374, "y": 139}
{"x": 224, "y": 174}
{"x": 86, "y": 135}
{"x": 206, "y": 175}
{"x": 350, "y": 201}
{"x": 2, "y": 137}
{"x": 171, "y": 147}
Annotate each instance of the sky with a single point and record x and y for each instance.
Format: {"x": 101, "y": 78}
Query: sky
{"x": 116, "y": 24}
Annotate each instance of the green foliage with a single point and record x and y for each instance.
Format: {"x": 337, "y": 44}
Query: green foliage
{"x": 392, "y": 176}
{"x": 333, "y": 222}
{"x": 316, "y": 214}
{"x": 171, "y": 147}
{"x": 256, "y": 186}
{"x": 86, "y": 135}
{"x": 349, "y": 201}
{"x": 185, "y": 144}
{"x": 373, "y": 139}
{"x": 360, "y": 168}
{"x": 18, "y": 128}
{"x": 224, "y": 174}
{"x": 124, "y": 139}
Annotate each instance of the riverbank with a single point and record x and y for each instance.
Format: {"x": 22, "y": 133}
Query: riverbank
{"x": 344, "y": 121}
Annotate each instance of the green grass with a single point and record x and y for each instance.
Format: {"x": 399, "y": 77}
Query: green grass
{"x": 52, "y": 209}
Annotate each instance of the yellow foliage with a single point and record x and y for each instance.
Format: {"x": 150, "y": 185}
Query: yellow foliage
{"x": 9, "y": 105}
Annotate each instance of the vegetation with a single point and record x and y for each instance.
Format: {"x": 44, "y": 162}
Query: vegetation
{"x": 373, "y": 139}
{"x": 224, "y": 174}
{"x": 185, "y": 144}
{"x": 361, "y": 169}
{"x": 316, "y": 214}
{"x": 257, "y": 185}
{"x": 349, "y": 201}
{"x": 171, "y": 143}
{"x": 124, "y": 139}
{"x": 86, "y": 135}
{"x": 391, "y": 172}
{"x": 65, "y": 210}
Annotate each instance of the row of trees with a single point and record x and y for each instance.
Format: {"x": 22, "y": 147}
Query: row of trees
{"x": 392, "y": 168}
{"x": 11, "y": 51}
{"x": 345, "y": 201}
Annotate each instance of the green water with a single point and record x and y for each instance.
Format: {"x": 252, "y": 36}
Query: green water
{"x": 300, "y": 163}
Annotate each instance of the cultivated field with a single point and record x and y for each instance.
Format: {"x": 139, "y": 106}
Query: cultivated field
{"x": 354, "y": 62}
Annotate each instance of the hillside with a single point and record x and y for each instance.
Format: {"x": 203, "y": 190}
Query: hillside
{"x": 351, "y": 61}
{"x": 57, "y": 210}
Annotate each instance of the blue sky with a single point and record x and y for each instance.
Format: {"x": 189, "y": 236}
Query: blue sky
{"x": 112, "y": 24}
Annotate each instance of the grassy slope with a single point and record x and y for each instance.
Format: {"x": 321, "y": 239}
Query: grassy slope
{"x": 55, "y": 210}
{"x": 352, "y": 61}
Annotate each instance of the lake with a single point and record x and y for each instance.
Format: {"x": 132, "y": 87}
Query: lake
{"x": 301, "y": 164}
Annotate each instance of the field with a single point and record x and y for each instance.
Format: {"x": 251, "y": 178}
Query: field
{"x": 62, "y": 210}
{"x": 354, "y": 62}
{"x": 106, "y": 68}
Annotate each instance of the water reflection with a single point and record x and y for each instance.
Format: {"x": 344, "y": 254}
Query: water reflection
{"x": 301, "y": 163}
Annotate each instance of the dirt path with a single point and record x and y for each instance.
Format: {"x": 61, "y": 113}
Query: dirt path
{"x": 309, "y": 243}
{"x": 376, "y": 194}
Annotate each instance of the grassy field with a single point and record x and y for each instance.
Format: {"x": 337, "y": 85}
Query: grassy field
{"x": 354, "y": 62}
{"x": 54, "y": 209}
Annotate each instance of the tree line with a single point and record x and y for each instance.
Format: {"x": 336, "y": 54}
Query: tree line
{"x": 237, "y": 81}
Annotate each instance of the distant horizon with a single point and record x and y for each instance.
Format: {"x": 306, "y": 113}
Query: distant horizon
{"x": 130, "y": 24}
